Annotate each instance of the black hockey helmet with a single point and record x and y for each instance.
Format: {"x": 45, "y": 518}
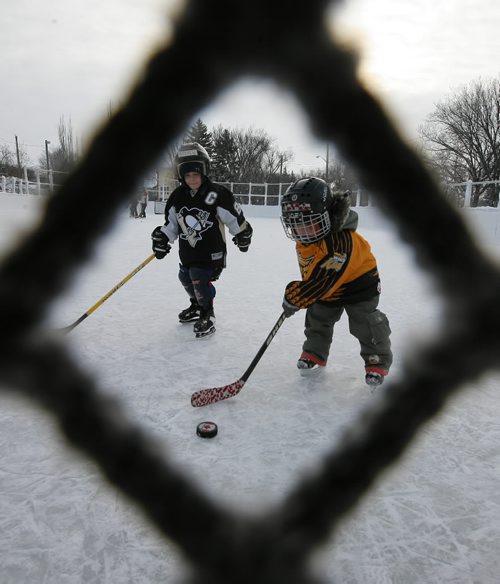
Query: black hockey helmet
{"x": 192, "y": 157}
{"x": 305, "y": 210}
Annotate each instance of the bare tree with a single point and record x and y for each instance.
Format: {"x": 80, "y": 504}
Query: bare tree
{"x": 236, "y": 154}
{"x": 63, "y": 158}
{"x": 66, "y": 151}
{"x": 247, "y": 156}
{"x": 251, "y": 148}
{"x": 274, "y": 165}
{"x": 462, "y": 138}
{"x": 9, "y": 160}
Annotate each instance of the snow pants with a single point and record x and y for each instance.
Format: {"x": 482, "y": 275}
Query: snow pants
{"x": 197, "y": 282}
{"x": 368, "y": 324}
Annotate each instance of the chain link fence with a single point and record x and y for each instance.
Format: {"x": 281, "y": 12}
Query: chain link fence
{"x": 229, "y": 548}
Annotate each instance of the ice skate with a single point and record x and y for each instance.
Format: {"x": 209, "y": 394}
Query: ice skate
{"x": 375, "y": 377}
{"x": 309, "y": 364}
{"x": 191, "y": 313}
{"x": 205, "y": 325}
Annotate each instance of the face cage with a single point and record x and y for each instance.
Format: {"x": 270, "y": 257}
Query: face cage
{"x": 305, "y": 227}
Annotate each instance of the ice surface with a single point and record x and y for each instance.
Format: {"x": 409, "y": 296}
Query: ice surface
{"x": 435, "y": 518}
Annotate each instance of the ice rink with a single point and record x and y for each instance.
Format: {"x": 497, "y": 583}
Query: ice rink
{"x": 432, "y": 519}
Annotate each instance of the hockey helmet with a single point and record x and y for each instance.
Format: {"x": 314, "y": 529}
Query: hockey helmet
{"x": 192, "y": 157}
{"x": 305, "y": 210}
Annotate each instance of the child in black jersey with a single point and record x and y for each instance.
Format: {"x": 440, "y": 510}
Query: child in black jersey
{"x": 196, "y": 213}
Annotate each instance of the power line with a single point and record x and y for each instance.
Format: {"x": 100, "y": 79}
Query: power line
{"x": 4, "y": 141}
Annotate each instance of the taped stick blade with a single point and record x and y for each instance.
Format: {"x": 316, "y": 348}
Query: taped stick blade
{"x": 205, "y": 397}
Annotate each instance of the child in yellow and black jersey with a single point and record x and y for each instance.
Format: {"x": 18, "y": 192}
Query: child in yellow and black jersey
{"x": 339, "y": 272}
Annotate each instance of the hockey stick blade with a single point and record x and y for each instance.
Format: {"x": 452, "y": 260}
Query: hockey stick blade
{"x": 205, "y": 397}
{"x": 67, "y": 329}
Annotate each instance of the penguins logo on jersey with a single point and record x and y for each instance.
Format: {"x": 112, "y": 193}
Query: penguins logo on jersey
{"x": 193, "y": 222}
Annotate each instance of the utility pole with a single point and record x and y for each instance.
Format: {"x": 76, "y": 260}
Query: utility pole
{"x": 47, "y": 142}
{"x": 326, "y": 160}
{"x": 18, "y": 156}
{"x": 50, "y": 180}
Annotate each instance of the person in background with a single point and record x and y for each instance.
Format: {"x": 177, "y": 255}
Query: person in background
{"x": 339, "y": 273}
{"x": 143, "y": 203}
{"x": 197, "y": 213}
{"x": 133, "y": 207}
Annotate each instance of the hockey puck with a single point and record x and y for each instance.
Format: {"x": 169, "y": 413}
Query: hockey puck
{"x": 206, "y": 429}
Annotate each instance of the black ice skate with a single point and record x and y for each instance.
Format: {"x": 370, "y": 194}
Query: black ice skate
{"x": 309, "y": 363}
{"x": 205, "y": 325}
{"x": 191, "y": 313}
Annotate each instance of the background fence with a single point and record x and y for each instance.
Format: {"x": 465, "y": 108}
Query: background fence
{"x": 40, "y": 182}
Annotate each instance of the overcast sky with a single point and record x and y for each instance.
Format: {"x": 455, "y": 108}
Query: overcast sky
{"x": 73, "y": 58}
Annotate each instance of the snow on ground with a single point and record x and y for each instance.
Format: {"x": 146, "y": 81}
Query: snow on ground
{"x": 435, "y": 518}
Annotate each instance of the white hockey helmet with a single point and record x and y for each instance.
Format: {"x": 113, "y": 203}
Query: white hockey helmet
{"x": 192, "y": 157}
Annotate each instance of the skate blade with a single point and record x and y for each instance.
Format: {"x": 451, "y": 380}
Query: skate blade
{"x": 205, "y": 334}
{"x": 310, "y": 372}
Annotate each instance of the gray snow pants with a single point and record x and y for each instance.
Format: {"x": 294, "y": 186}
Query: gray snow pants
{"x": 368, "y": 324}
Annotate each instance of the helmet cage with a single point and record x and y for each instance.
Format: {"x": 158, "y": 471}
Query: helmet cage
{"x": 305, "y": 227}
{"x": 305, "y": 210}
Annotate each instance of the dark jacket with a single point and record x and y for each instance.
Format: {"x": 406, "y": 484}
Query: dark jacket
{"x": 198, "y": 220}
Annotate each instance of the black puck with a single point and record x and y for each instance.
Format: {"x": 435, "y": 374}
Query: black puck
{"x": 206, "y": 429}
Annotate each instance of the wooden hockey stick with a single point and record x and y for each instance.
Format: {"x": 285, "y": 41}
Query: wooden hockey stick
{"x": 70, "y": 327}
{"x": 204, "y": 397}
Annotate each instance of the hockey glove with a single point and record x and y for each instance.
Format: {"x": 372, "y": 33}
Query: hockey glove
{"x": 243, "y": 238}
{"x": 289, "y": 309}
{"x": 161, "y": 244}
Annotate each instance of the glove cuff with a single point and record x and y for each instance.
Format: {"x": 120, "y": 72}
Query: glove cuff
{"x": 163, "y": 229}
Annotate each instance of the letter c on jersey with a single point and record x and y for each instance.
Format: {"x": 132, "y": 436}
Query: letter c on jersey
{"x": 211, "y": 198}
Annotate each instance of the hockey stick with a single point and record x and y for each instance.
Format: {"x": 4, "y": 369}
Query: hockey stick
{"x": 204, "y": 397}
{"x": 70, "y": 327}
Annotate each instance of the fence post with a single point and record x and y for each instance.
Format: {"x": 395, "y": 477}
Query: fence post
{"x": 370, "y": 200}
{"x": 265, "y": 194}
{"x": 38, "y": 185}
{"x": 25, "y": 173}
{"x": 358, "y": 197}
{"x": 468, "y": 193}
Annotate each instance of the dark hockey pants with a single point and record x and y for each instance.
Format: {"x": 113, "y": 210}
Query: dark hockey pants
{"x": 198, "y": 284}
{"x": 368, "y": 324}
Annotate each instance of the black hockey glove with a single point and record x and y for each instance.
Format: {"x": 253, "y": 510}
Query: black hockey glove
{"x": 161, "y": 245}
{"x": 243, "y": 238}
{"x": 289, "y": 309}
